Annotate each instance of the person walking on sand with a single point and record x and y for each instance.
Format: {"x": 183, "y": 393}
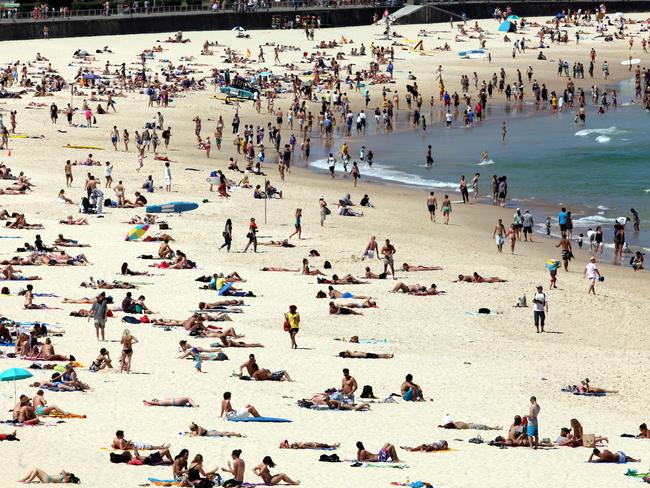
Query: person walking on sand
{"x": 252, "y": 235}
{"x": 565, "y": 245}
{"x": 504, "y": 131}
{"x": 499, "y": 235}
{"x": 446, "y": 208}
{"x": 432, "y": 203}
{"x": 298, "y": 224}
{"x": 127, "y": 342}
{"x": 98, "y": 313}
{"x": 592, "y": 274}
{"x": 532, "y": 428}
{"x": 227, "y": 235}
{"x": 292, "y": 324}
{"x": 540, "y": 307}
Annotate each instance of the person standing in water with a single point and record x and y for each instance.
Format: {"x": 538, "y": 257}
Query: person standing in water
{"x": 429, "y": 156}
{"x": 475, "y": 184}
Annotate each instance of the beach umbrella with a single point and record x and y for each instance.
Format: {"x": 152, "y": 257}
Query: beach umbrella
{"x": 513, "y": 18}
{"x": 15, "y": 374}
{"x": 136, "y": 233}
{"x": 238, "y": 28}
{"x": 559, "y": 15}
{"x": 507, "y": 26}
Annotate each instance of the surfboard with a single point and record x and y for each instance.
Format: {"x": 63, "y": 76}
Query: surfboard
{"x": 71, "y": 146}
{"x": 213, "y": 180}
{"x": 628, "y": 62}
{"x": 473, "y": 53}
{"x": 172, "y": 207}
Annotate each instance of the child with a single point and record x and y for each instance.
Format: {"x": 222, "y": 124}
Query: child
{"x": 579, "y": 240}
{"x": 197, "y": 359}
{"x": 553, "y": 278}
{"x": 548, "y": 226}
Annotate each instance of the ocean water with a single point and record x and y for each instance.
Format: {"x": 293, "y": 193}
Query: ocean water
{"x": 598, "y": 171}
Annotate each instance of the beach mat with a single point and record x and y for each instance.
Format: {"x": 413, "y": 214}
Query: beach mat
{"x": 275, "y": 420}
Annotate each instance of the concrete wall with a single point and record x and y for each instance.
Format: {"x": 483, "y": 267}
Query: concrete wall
{"x": 124, "y": 24}
{"x": 480, "y": 10}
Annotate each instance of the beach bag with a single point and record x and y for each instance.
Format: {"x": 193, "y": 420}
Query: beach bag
{"x": 329, "y": 458}
{"x": 119, "y": 458}
{"x": 367, "y": 392}
{"x": 285, "y": 326}
{"x": 589, "y": 441}
{"x": 484, "y": 310}
{"x": 130, "y": 320}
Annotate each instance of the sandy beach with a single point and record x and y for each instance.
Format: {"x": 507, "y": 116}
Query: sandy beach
{"x": 474, "y": 367}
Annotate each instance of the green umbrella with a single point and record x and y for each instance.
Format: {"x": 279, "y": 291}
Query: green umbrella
{"x": 13, "y": 374}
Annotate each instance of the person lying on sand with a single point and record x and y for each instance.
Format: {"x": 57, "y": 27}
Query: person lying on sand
{"x": 476, "y": 278}
{"x": 332, "y": 293}
{"x": 404, "y": 288}
{"x": 644, "y": 433}
{"x": 424, "y": 291}
{"x": 285, "y": 444}
{"x": 119, "y": 442}
{"x": 65, "y": 242}
{"x": 262, "y": 374}
{"x": 43, "y": 409}
{"x": 70, "y": 221}
{"x": 411, "y": 268}
{"x": 170, "y": 402}
{"x": 263, "y": 471}
{"x": 369, "y": 275}
{"x": 229, "y": 412}
{"x": 335, "y": 309}
{"x": 459, "y": 425}
{"x": 43, "y": 477}
{"x": 364, "y": 355}
{"x": 203, "y": 356}
{"x": 324, "y": 399}
{"x": 198, "y": 431}
{"x": 606, "y": 456}
{"x": 21, "y": 223}
{"x": 387, "y": 454}
{"x": 186, "y": 346}
{"x": 585, "y": 387}
{"x": 279, "y": 270}
{"x": 345, "y": 280}
{"x": 82, "y": 300}
{"x": 433, "y": 447}
{"x": 367, "y": 303}
{"x": 104, "y": 285}
{"x": 282, "y": 243}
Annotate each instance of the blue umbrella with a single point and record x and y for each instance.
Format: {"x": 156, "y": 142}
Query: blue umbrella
{"x": 13, "y": 374}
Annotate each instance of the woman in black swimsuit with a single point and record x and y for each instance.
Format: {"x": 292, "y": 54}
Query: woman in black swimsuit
{"x": 263, "y": 471}
{"x": 127, "y": 342}
{"x": 197, "y": 476}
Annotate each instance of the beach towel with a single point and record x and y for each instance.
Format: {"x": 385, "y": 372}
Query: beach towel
{"x": 260, "y": 419}
{"x": 357, "y": 464}
{"x": 413, "y": 484}
{"x": 635, "y": 474}
{"x": 159, "y": 482}
{"x": 584, "y": 393}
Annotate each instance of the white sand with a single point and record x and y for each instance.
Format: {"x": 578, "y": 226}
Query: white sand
{"x": 479, "y": 369}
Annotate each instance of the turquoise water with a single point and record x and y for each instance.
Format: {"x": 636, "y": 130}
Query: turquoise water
{"x": 599, "y": 170}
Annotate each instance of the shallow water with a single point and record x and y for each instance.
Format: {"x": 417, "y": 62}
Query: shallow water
{"x": 599, "y": 170}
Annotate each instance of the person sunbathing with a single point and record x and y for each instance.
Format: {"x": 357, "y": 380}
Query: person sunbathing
{"x": 119, "y": 442}
{"x": 162, "y": 457}
{"x": 578, "y": 434}
{"x": 70, "y": 221}
{"x": 65, "y": 242}
{"x": 606, "y": 456}
{"x": 24, "y": 412}
{"x": 43, "y": 477}
{"x": 432, "y": 290}
{"x": 644, "y": 433}
{"x": 282, "y": 243}
{"x": 477, "y": 278}
{"x": 332, "y": 293}
{"x": 83, "y": 300}
{"x": 47, "y": 353}
{"x": 585, "y": 387}
{"x": 335, "y": 309}
{"x": 8, "y": 273}
{"x": 460, "y": 425}
{"x": 279, "y": 270}
{"x": 226, "y": 342}
{"x": 124, "y": 270}
{"x": 262, "y": 374}
{"x": 218, "y": 306}
{"x": 165, "y": 251}
{"x": 364, "y": 355}
{"x": 433, "y": 447}
{"x": 345, "y": 280}
{"x": 14, "y": 190}
{"x": 336, "y": 404}
{"x": 171, "y": 402}
{"x": 229, "y": 412}
{"x": 198, "y": 431}
{"x": 404, "y": 288}
{"x": 410, "y": 268}
{"x": 310, "y": 272}
{"x": 385, "y": 455}
{"x": 21, "y": 223}
{"x": 43, "y": 409}
{"x": 105, "y": 285}
{"x": 373, "y": 276}
{"x": 464, "y": 279}
{"x": 230, "y": 302}
{"x": 263, "y": 471}
{"x": 285, "y": 444}
{"x": 186, "y": 346}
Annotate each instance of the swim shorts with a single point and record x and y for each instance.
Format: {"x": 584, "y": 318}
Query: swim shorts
{"x": 383, "y": 456}
{"x": 532, "y": 430}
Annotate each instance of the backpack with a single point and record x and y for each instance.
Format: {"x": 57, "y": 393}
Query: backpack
{"x": 329, "y": 458}
{"x": 118, "y": 458}
{"x": 130, "y": 320}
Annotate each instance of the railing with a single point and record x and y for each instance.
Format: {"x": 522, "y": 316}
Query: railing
{"x": 235, "y": 7}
